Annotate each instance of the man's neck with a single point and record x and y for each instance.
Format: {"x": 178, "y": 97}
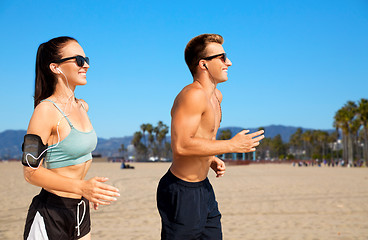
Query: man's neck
{"x": 207, "y": 84}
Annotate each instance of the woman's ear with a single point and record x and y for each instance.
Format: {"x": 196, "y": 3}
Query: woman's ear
{"x": 54, "y": 68}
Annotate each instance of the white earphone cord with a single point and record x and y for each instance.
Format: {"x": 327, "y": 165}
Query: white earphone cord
{"x": 57, "y": 128}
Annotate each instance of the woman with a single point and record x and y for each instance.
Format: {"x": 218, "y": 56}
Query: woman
{"x": 61, "y": 135}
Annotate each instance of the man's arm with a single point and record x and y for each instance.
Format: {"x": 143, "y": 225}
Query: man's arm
{"x": 186, "y": 117}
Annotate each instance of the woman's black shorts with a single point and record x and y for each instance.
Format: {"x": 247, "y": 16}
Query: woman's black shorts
{"x": 54, "y": 217}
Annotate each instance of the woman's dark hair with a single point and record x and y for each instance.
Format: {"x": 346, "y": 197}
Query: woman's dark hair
{"x": 45, "y": 79}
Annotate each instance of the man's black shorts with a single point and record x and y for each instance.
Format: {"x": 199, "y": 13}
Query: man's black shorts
{"x": 188, "y": 210}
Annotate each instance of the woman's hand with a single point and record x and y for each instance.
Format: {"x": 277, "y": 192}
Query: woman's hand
{"x": 94, "y": 205}
{"x": 97, "y": 192}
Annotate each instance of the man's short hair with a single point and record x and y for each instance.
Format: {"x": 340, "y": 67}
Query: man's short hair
{"x": 196, "y": 49}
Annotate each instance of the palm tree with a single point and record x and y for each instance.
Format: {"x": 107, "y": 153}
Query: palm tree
{"x": 307, "y": 137}
{"x": 122, "y": 150}
{"x": 351, "y": 110}
{"x": 140, "y": 148}
{"x": 225, "y": 135}
{"x": 363, "y": 117}
{"x": 354, "y": 127}
{"x": 296, "y": 142}
{"x": 278, "y": 147}
{"x": 322, "y": 137}
{"x": 161, "y": 137}
{"x": 332, "y": 139}
{"x": 344, "y": 119}
{"x": 341, "y": 123}
{"x": 136, "y": 138}
{"x": 149, "y": 129}
{"x": 144, "y": 128}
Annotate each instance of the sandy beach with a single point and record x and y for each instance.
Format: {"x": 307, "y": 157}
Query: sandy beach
{"x": 257, "y": 202}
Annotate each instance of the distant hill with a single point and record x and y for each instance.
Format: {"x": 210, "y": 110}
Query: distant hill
{"x": 11, "y": 140}
{"x": 11, "y": 144}
{"x": 110, "y": 147}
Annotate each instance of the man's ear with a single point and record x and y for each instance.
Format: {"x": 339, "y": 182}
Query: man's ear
{"x": 202, "y": 64}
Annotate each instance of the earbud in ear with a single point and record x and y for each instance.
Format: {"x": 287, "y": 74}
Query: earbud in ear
{"x": 59, "y": 70}
{"x": 204, "y": 65}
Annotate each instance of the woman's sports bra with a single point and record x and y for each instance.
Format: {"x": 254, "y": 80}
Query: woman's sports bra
{"x": 75, "y": 148}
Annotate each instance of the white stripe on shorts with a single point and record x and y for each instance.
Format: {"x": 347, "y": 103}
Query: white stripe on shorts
{"x": 38, "y": 229}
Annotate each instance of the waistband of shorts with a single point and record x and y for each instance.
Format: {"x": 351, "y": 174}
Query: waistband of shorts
{"x": 58, "y": 201}
{"x": 177, "y": 180}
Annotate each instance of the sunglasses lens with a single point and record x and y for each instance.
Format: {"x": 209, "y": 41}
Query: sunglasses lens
{"x": 224, "y": 57}
{"x": 81, "y": 60}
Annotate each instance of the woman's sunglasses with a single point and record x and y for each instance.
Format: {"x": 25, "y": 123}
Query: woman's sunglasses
{"x": 80, "y": 60}
{"x": 223, "y": 57}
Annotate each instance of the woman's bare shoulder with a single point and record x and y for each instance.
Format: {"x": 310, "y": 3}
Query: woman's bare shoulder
{"x": 84, "y": 104}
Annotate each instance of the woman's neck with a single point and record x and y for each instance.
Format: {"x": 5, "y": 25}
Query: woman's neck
{"x": 64, "y": 93}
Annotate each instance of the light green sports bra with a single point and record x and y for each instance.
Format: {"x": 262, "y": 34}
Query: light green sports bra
{"x": 76, "y": 148}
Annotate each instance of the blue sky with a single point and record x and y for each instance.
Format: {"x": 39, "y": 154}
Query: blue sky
{"x": 295, "y": 63}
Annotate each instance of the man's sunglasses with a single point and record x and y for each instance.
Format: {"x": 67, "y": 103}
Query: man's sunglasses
{"x": 223, "y": 57}
{"x": 80, "y": 60}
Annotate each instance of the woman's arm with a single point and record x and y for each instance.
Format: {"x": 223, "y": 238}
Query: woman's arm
{"x": 42, "y": 123}
{"x": 93, "y": 189}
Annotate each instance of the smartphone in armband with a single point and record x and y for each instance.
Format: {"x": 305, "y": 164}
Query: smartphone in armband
{"x": 33, "y": 150}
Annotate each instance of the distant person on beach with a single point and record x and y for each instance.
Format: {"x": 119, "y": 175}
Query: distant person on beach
{"x": 185, "y": 198}
{"x": 60, "y": 136}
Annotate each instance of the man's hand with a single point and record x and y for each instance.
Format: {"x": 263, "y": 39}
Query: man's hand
{"x": 218, "y": 166}
{"x": 243, "y": 142}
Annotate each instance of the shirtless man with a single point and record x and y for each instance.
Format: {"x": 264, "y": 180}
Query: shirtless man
{"x": 185, "y": 198}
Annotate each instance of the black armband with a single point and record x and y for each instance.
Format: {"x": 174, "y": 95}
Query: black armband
{"x": 32, "y": 148}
